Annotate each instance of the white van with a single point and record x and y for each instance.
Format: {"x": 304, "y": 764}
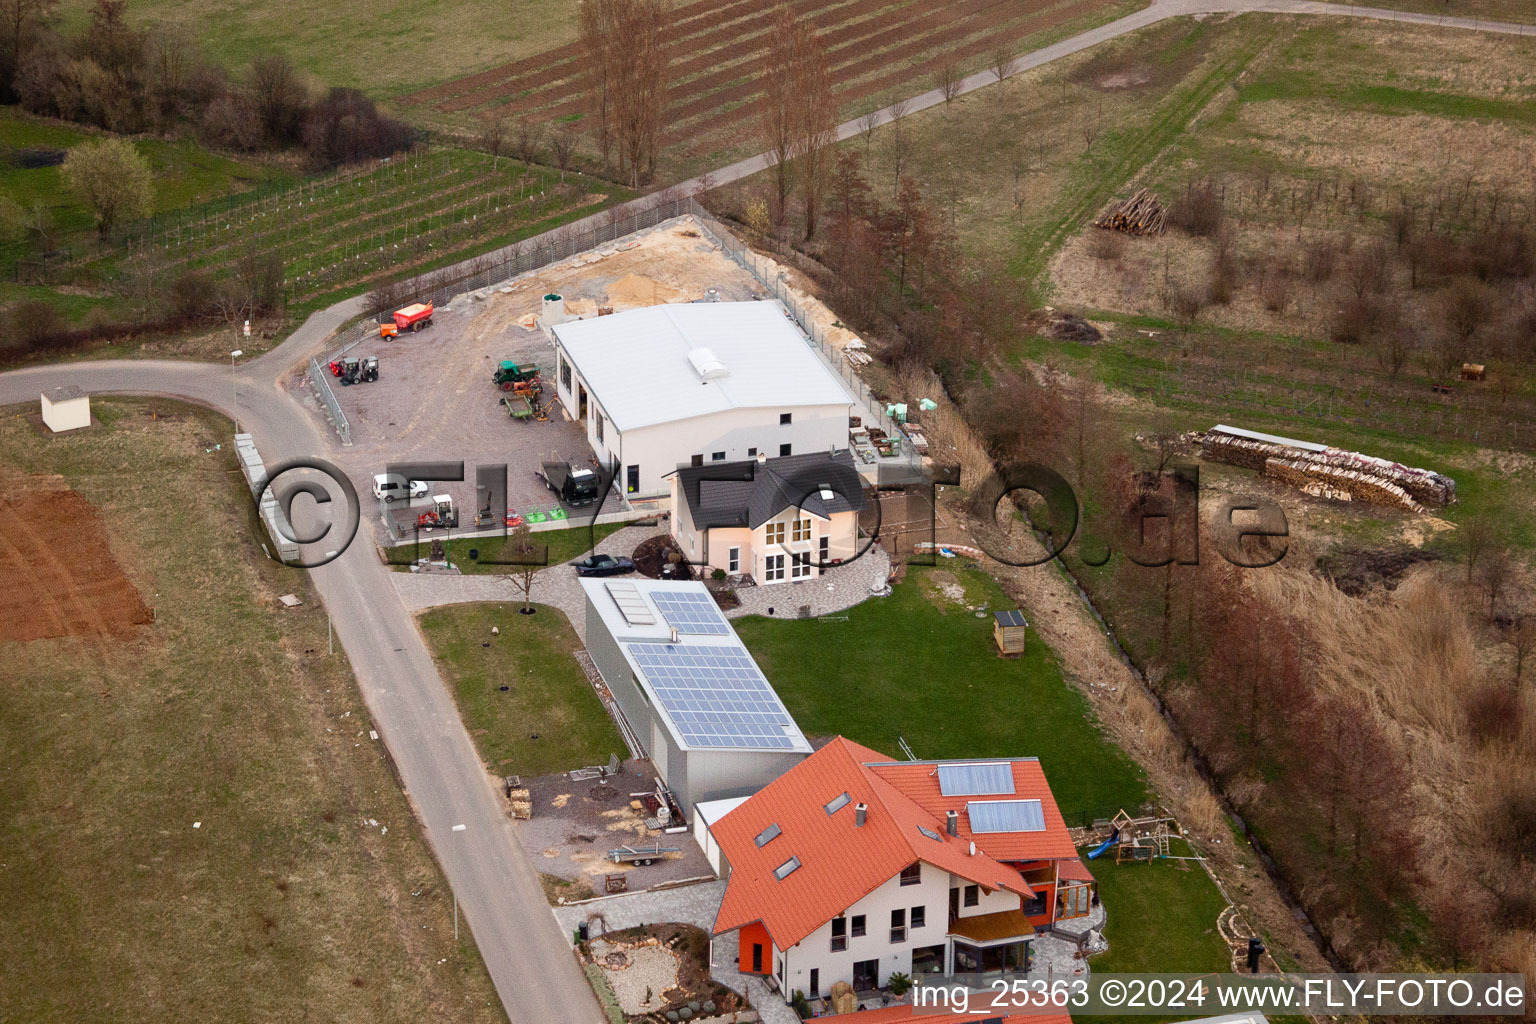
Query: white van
{"x": 389, "y": 486}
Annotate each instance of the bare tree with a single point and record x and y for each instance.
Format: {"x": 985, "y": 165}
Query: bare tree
{"x": 563, "y": 145}
{"x": 526, "y": 562}
{"x": 20, "y": 20}
{"x": 628, "y": 83}
{"x": 947, "y": 80}
{"x": 867, "y": 125}
{"x": 1521, "y": 635}
{"x": 813, "y": 86}
{"x": 530, "y": 136}
{"x": 1002, "y": 62}
{"x": 493, "y": 135}
{"x": 780, "y": 109}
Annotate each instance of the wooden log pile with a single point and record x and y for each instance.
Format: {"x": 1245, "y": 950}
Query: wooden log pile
{"x": 1358, "y": 485}
{"x": 1142, "y": 214}
{"x": 1363, "y": 476}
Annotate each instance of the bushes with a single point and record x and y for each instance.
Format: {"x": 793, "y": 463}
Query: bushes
{"x": 1494, "y": 713}
{"x": 345, "y": 126}
{"x": 1201, "y": 212}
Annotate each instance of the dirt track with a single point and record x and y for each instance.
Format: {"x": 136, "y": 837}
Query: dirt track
{"x": 61, "y": 577}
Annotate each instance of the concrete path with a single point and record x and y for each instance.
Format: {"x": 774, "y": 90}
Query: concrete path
{"x": 497, "y": 886}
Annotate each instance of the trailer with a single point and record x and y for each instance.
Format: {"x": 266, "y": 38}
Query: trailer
{"x": 574, "y": 486}
{"x": 411, "y": 318}
{"x": 517, "y": 407}
{"x": 642, "y": 854}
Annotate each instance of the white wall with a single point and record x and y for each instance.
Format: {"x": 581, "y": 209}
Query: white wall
{"x": 815, "y": 950}
{"x": 70, "y": 414}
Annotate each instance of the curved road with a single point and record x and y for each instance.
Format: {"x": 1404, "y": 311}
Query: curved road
{"x": 497, "y": 886}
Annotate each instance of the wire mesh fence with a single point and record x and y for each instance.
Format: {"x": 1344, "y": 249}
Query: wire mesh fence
{"x": 317, "y": 377}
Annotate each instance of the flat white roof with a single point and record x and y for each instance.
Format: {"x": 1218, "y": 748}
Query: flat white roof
{"x": 705, "y": 686}
{"x": 711, "y": 811}
{"x": 643, "y": 365}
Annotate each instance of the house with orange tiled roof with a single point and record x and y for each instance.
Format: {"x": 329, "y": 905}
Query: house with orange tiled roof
{"x": 852, "y": 867}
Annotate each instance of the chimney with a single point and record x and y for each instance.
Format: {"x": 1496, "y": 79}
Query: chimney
{"x": 952, "y": 823}
{"x": 674, "y": 634}
{"x": 973, "y": 848}
{"x": 860, "y": 812}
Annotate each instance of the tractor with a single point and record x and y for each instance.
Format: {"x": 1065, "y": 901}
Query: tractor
{"x": 370, "y": 369}
{"x": 349, "y": 370}
{"x": 441, "y": 514}
{"x": 509, "y": 375}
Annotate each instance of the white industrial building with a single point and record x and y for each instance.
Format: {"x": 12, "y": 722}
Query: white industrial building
{"x": 66, "y": 408}
{"x": 693, "y": 699}
{"x": 690, "y": 383}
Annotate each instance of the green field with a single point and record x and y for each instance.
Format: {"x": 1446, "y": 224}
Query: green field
{"x": 285, "y": 903}
{"x": 918, "y": 667}
{"x": 557, "y": 546}
{"x": 383, "y": 47}
{"x": 549, "y": 720}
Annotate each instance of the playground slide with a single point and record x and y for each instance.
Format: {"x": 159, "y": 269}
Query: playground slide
{"x": 1103, "y": 847}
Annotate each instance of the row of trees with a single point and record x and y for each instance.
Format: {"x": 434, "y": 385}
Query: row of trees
{"x": 799, "y": 119}
{"x": 627, "y": 90}
{"x": 114, "y": 76}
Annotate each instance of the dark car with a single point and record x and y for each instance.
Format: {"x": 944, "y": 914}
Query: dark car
{"x": 603, "y": 565}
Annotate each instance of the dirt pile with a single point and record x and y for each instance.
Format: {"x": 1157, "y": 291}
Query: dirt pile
{"x": 62, "y": 578}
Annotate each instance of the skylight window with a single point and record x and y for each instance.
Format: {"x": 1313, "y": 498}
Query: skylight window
{"x": 767, "y": 835}
{"x": 786, "y": 869}
{"x": 838, "y": 803}
{"x": 930, "y": 834}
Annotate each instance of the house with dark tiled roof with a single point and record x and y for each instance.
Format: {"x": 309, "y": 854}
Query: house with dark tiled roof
{"x": 777, "y": 520}
{"x": 852, "y": 867}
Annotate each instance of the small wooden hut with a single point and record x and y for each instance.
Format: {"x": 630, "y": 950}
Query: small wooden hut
{"x": 1008, "y": 629}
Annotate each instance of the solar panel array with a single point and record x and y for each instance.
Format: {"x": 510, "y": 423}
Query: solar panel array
{"x": 715, "y": 695}
{"x": 1005, "y": 816}
{"x": 631, "y": 605}
{"x": 689, "y": 611}
{"x": 976, "y": 779}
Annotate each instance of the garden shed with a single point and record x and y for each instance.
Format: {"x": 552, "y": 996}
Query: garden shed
{"x": 1008, "y": 629}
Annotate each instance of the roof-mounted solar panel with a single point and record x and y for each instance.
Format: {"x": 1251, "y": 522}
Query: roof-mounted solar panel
{"x": 1005, "y": 816}
{"x": 631, "y": 605}
{"x": 689, "y": 611}
{"x": 715, "y": 695}
{"x": 994, "y": 779}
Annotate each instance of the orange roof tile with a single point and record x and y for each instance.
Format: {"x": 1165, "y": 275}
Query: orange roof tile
{"x": 918, "y": 781}
{"x": 1074, "y": 870}
{"x": 839, "y": 862}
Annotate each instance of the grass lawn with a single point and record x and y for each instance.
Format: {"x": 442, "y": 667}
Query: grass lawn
{"x": 550, "y": 720}
{"x": 286, "y": 903}
{"x": 917, "y": 666}
{"x": 380, "y": 46}
{"x": 562, "y": 545}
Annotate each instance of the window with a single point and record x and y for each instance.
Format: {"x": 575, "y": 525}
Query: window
{"x": 825, "y": 553}
{"x": 858, "y": 925}
{"x": 733, "y": 560}
{"x": 815, "y": 982}
{"x": 785, "y": 451}
{"x": 837, "y": 803}
{"x": 717, "y": 456}
{"x": 786, "y": 869}
{"x": 598, "y": 422}
{"x": 1036, "y": 905}
{"x": 784, "y": 419}
{"x": 767, "y": 835}
{"x": 898, "y": 925}
{"x": 973, "y": 895}
{"x": 919, "y": 916}
{"x": 912, "y": 874}
{"x": 800, "y": 529}
{"x": 839, "y": 934}
{"x": 565, "y": 374}
{"x": 697, "y": 460}
{"x": 632, "y": 484}
{"x": 799, "y": 565}
{"x": 773, "y": 568}
{"x": 751, "y": 453}
{"x": 774, "y": 533}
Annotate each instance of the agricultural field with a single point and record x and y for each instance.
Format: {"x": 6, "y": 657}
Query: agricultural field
{"x": 197, "y": 824}
{"x": 337, "y": 234}
{"x": 1494, "y": 10}
{"x": 877, "y": 49}
{"x": 379, "y": 46}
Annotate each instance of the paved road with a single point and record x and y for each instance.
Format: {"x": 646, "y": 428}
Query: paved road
{"x": 496, "y": 884}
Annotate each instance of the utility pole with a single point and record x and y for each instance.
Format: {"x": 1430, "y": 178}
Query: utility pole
{"x": 234, "y": 388}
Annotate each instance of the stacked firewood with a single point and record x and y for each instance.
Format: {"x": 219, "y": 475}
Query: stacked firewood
{"x": 1142, "y": 214}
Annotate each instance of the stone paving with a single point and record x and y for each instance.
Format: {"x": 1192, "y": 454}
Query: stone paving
{"x": 644, "y": 973}
{"x": 687, "y": 904}
{"x": 839, "y": 588}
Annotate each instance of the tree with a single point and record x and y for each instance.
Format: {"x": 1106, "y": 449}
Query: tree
{"x": 529, "y": 138}
{"x": 1521, "y": 635}
{"x": 563, "y": 145}
{"x": 907, "y": 230}
{"x": 525, "y": 556}
{"x": 947, "y": 80}
{"x": 1001, "y": 63}
{"x": 281, "y": 99}
{"x": 113, "y": 180}
{"x": 1361, "y": 781}
{"x": 21, "y": 21}
{"x": 867, "y": 125}
{"x": 628, "y": 84}
{"x": 493, "y": 135}
{"x": 779, "y": 112}
{"x": 813, "y": 86}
